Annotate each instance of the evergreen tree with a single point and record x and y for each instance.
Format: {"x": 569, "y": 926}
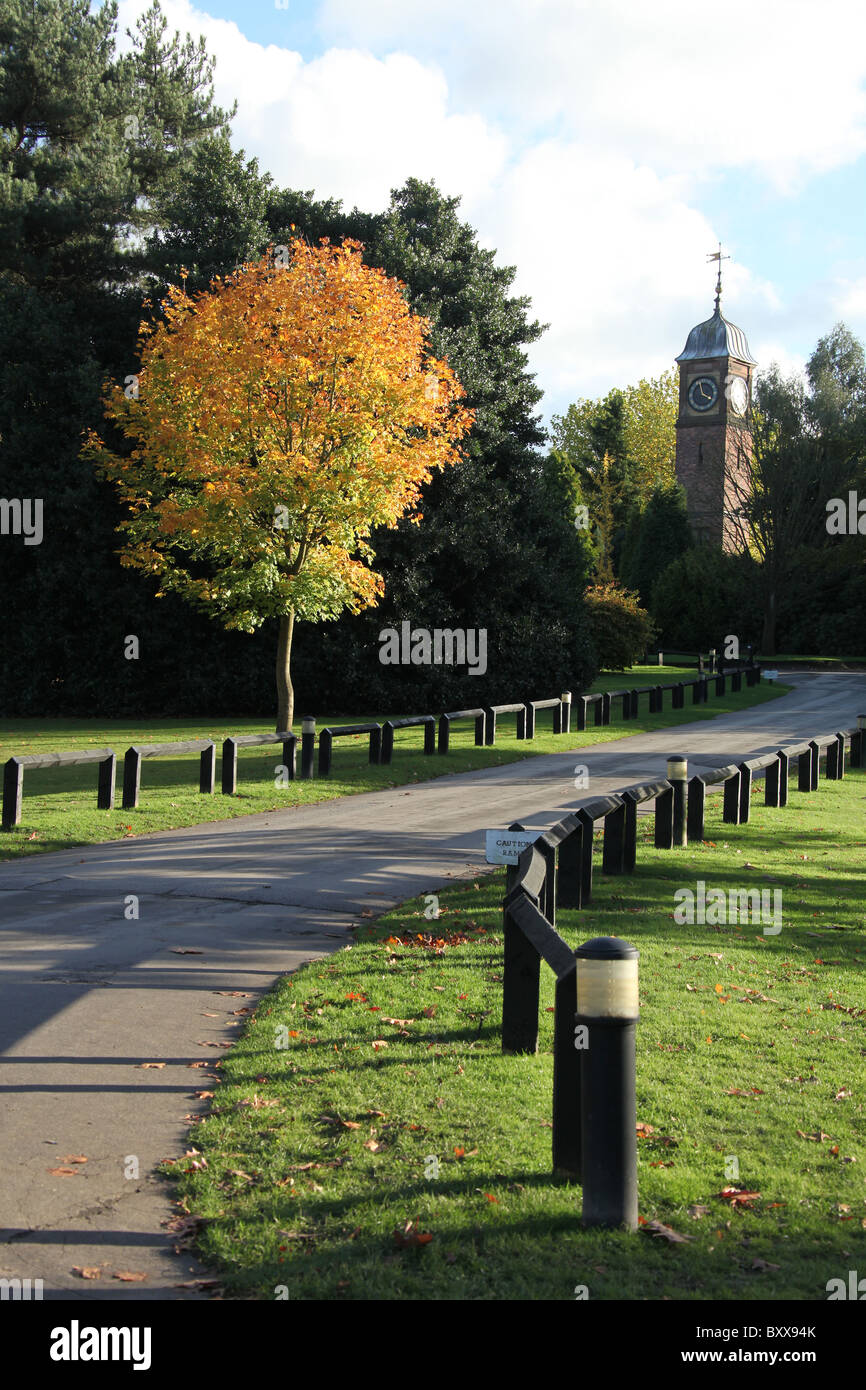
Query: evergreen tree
{"x": 662, "y": 534}
{"x": 91, "y": 145}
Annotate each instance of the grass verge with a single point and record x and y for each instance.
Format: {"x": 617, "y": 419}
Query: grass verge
{"x": 59, "y": 804}
{"x": 368, "y": 1140}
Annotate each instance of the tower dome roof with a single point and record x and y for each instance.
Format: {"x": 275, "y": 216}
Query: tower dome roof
{"x": 716, "y": 337}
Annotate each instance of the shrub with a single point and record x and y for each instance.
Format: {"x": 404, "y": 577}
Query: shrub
{"x": 621, "y": 629}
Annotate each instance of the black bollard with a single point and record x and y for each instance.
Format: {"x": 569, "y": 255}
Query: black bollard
{"x": 607, "y": 1012}
{"x": 308, "y": 744}
{"x": 677, "y": 775}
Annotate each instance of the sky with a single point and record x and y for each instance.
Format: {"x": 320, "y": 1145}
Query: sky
{"x": 602, "y": 147}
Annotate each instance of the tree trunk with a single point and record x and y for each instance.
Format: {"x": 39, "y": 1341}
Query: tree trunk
{"x": 768, "y": 640}
{"x": 285, "y": 689}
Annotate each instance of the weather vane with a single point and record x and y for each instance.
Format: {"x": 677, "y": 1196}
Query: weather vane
{"x": 717, "y": 256}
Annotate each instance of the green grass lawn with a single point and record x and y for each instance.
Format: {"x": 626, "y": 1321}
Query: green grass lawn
{"x": 59, "y": 805}
{"x": 366, "y": 1138}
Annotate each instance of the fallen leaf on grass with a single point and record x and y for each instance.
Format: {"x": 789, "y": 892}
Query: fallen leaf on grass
{"x": 257, "y": 1103}
{"x": 817, "y": 1138}
{"x": 373, "y": 1145}
{"x": 408, "y": 1236}
{"x": 643, "y": 1128}
{"x": 696, "y": 1210}
{"x": 758, "y": 1263}
{"x": 378, "y": 1043}
{"x": 658, "y": 1228}
{"x": 738, "y": 1197}
{"x": 128, "y": 1276}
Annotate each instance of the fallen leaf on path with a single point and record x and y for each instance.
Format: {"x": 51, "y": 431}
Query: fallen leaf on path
{"x": 151, "y": 1066}
{"x": 64, "y": 1172}
{"x": 128, "y": 1276}
{"x": 87, "y": 1271}
{"x": 73, "y": 1158}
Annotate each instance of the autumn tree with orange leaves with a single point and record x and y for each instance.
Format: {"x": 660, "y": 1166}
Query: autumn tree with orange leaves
{"x": 275, "y": 420}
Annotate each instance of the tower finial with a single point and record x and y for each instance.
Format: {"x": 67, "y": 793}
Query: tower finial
{"x": 717, "y": 256}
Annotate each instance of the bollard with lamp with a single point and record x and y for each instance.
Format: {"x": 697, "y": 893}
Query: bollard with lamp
{"x": 607, "y": 1013}
{"x": 677, "y": 775}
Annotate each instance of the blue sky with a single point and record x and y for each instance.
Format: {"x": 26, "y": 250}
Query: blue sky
{"x": 603, "y": 147}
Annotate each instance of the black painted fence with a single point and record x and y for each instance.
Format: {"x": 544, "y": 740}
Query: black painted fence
{"x": 381, "y": 739}
{"x": 556, "y": 871}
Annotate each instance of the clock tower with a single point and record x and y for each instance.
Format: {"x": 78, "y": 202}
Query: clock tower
{"x": 713, "y": 436}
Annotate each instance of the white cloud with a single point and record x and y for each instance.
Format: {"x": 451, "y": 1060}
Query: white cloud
{"x": 849, "y": 299}
{"x": 346, "y": 124}
{"x": 776, "y": 86}
{"x": 600, "y": 215}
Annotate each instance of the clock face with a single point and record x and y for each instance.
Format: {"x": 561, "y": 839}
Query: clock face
{"x": 703, "y": 393}
{"x": 739, "y": 395}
